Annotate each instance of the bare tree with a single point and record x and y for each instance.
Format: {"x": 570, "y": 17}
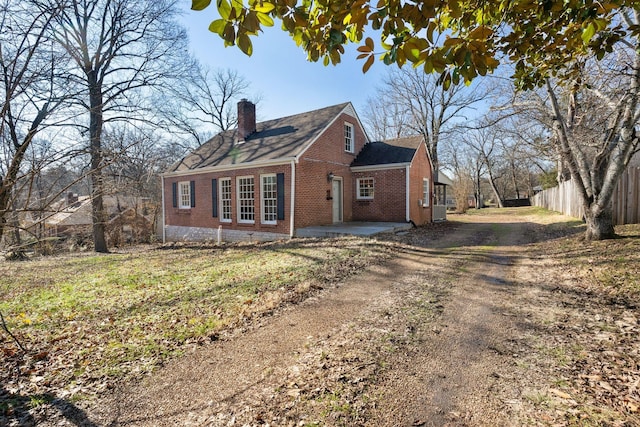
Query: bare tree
{"x": 204, "y": 103}
{"x": 591, "y": 115}
{"x": 431, "y": 110}
{"x": 484, "y": 143}
{"x": 121, "y": 48}
{"x": 33, "y": 89}
{"x": 135, "y": 159}
{"x": 468, "y": 170}
{"x": 596, "y": 135}
{"x": 386, "y": 120}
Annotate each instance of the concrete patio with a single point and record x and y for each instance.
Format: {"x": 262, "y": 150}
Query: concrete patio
{"x": 352, "y": 229}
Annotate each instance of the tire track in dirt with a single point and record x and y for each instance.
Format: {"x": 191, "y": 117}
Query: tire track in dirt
{"x": 455, "y": 379}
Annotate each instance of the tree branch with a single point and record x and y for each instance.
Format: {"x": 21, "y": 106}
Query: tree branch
{"x": 6, "y": 329}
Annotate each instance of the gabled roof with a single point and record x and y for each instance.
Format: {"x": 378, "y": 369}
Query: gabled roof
{"x": 394, "y": 151}
{"x": 283, "y": 138}
{"x": 80, "y": 213}
{"x": 77, "y": 214}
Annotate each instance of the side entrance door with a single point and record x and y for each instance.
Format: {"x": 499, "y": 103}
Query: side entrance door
{"x": 336, "y": 191}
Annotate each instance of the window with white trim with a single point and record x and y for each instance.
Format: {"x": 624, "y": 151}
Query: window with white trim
{"x": 246, "y": 200}
{"x": 365, "y": 188}
{"x": 269, "y": 200}
{"x": 225, "y": 199}
{"x": 348, "y": 138}
{"x": 184, "y": 195}
{"x": 426, "y": 193}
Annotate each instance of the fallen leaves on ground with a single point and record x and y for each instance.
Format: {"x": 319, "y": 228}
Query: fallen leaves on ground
{"x": 582, "y": 314}
{"x": 137, "y": 310}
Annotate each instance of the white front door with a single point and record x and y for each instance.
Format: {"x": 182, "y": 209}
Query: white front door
{"x": 336, "y": 191}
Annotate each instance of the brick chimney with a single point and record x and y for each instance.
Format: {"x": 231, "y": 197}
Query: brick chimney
{"x": 246, "y": 119}
{"x": 72, "y": 199}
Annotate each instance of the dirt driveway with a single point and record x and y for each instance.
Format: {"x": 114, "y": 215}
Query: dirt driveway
{"x": 429, "y": 338}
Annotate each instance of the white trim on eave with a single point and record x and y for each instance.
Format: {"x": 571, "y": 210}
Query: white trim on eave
{"x": 389, "y": 166}
{"x": 283, "y": 161}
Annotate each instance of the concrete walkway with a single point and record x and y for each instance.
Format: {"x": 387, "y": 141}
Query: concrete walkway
{"x": 352, "y": 229}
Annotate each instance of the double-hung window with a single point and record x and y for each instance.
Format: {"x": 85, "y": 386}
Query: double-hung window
{"x": 269, "y": 199}
{"x": 246, "y": 199}
{"x": 225, "y": 199}
{"x": 426, "y": 193}
{"x": 184, "y": 195}
{"x": 348, "y": 138}
{"x": 365, "y": 188}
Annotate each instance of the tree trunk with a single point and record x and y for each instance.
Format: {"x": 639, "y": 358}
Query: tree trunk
{"x": 478, "y": 194}
{"x": 492, "y": 181}
{"x": 600, "y": 226}
{"x": 514, "y": 179}
{"x": 596, "y": 183}
{"x": 8, "y": 182}
{"x": 95, "y": 149}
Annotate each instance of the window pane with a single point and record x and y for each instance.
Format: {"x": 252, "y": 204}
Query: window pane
{"x": 348, "y": 137}
{"x": 365, "y": 188}
{"x": 425, "y": 192}
{"x": 225, "y": 198}
{"x": 246, "y": 200}
{"x": 185, "y": 194}
{"x": 269, "y": 199}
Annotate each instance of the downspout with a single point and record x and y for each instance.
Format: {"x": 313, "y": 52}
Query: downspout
{"x": 293, "y": 199}
{"x": 164, "y": 232}
{"x": 408, "y": 204}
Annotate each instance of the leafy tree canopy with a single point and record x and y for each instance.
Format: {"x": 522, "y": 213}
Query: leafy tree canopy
{"x": 459, "y": 39}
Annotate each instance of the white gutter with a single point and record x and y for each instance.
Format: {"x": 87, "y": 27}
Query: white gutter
{"x": 389, "y": 166}
{"x": 164, "y": 232}
{"x": 293, "y": 199}
{"x": 408, "y": 204}
{"x": 224, "y": 168}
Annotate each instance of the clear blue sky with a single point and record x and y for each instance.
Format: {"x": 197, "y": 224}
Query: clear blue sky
{"x": 278, "y": 69}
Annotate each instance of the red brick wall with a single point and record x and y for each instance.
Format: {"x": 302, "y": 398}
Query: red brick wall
{"x": 389, "y": 200}
{"x": 420, "y": 168}
{"x": 313, "y": 189}
{"x": 201, "y": 214}
{"x": 313, "y": 203}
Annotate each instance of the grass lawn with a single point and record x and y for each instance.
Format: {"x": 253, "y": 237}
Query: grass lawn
{"x": 89, "y": 321}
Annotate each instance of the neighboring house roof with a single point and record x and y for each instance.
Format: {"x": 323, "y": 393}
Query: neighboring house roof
{"x": 282, "y": 138}
{"x": 80, "y": 213}
{"x": 71, "y": 215}
{"x": 394, "y": 151}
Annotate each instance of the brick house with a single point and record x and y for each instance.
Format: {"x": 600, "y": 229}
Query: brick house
{"x": 264, "y": 181}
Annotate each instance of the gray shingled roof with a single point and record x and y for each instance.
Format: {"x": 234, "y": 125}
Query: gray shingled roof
{"x": 399, "y": 150}
{"x": 281, "y": 138}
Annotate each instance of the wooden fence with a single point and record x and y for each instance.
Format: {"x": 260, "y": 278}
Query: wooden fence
{"x": 626, "y": 199}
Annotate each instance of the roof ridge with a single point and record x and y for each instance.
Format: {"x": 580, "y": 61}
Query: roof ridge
{"x": 343, "y": 104}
